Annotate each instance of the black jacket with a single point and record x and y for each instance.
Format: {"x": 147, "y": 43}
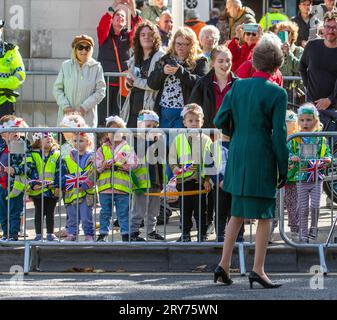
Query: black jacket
{"x": 106, "y": 53}
{"x": 187, "y": 78}
{"x": 203, "y": 94}
{"x": 303, "y": 27}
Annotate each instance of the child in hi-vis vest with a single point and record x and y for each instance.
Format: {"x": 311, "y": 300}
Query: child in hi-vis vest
{"x": 13, "y": 167}
{"x": 191, "y": 149}
{"x": 309, "y": 156}
{"x": 45, "y": 182}
{"x": 149, "y": 176}
{"x": 115, "y": 160}
{"x": 78, "y": 186}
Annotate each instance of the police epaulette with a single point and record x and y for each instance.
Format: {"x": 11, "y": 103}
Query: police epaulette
{"x": 9, "y": 46}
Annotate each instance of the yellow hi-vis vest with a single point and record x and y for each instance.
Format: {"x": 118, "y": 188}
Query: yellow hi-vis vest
{"x": 12, "y": 70}
{"x": 49, "y": 170}
{"x": 120, "y": 180}
{"x": 272, "y": 18}
{"x": 20, "y": 183}
{"x": 141, "y": 175}
{"x": 75, "y": 169}
{"x": 184, "y": 154}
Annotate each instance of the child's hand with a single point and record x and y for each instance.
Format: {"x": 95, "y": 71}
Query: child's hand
{"x": 295, "y": 159}
{"x": 207, "y": 186}
{"x": 327, "y": 161}
{"x": 221, "y": 185}
{"x": 193, "y": 167}
{"x": 176, "y": 171}
{"x": 37, "y": 187}
{"x": 9, "y": 170}
{"x": 290, "y": 167}
{"x": 106, "y": 165}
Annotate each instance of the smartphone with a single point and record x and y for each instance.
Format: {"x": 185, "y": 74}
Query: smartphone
{"x": 284, "y": 36}
{"x": 251, "y": 27}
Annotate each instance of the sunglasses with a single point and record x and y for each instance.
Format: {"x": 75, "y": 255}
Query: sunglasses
{"x": 253, "y": 34}
{"x": 86, "y": 48}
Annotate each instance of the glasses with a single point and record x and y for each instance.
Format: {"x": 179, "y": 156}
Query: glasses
{"x": 330, "y": 28}
{"x": 86, "y": 48}
{"x": 181, "y": 44}
{"x": 253, "y": 34}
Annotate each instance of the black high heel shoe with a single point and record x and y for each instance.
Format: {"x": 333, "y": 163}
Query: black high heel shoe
{"x": 254, "y": 277}
{"x": 220, "y": 273}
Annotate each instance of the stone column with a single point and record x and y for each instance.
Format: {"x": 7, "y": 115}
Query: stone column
{"x": 178, "y": 14}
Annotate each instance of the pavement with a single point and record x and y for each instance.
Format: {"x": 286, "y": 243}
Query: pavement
{"x": 161, "y": 256}
{"x": 198, "y": 287}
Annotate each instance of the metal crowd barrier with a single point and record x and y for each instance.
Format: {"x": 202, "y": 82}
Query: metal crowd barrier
{"x": 27, "y": 241}
{"x": 39, "y": 90}
{"x": 329, "y": 186}
{"x": 292, "y": 84}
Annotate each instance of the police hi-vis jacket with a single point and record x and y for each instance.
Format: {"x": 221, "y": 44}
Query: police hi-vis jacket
{"x": 12, "y": 70}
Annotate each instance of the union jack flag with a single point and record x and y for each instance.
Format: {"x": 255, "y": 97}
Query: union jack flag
{"x": 315, "y": 168}
{"x": 73, "y": 181}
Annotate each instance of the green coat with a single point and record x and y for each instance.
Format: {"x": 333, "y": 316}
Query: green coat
{"x": 258, "y": 148}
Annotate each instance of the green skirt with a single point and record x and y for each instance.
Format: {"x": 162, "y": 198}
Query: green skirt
{"x": 253, "y": 207}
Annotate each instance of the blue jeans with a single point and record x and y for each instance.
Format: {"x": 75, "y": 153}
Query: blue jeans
{"x": 121, "y": 202}
{"x": 15, "y": 210}
{"x": 171, "y": 118}
{"x": 84, "y": 216}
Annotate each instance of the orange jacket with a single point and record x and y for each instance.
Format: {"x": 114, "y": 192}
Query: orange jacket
{"x": 196, "y": 25}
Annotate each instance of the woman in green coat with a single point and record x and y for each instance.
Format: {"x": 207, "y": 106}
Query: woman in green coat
{"x": 254, "y": 111}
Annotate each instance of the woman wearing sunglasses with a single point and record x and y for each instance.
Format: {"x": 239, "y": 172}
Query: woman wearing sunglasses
{"x": 80, "y": 85}
{"x": 243, "y": 44}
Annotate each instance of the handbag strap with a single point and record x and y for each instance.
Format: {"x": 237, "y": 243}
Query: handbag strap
{"x": 117, "y": 55}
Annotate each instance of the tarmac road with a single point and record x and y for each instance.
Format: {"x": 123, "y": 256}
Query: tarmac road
{"x": 191, "y": 286}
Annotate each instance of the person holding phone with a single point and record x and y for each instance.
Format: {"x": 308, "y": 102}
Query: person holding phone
{"x": 288, "y": 33}
{"x": 247, "y": 34}
{"x": 175, "y": 75}
{"x": 147, "y": 51}
{"x": 115, "y": 40}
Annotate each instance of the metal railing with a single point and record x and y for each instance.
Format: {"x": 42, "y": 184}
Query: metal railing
{"x": 329, "y": 181}
{"x": 38, "y": 89}
{"x": 294, "y": 86}
{"x": 31, "y": 93}
{"x": 165, "y": 153}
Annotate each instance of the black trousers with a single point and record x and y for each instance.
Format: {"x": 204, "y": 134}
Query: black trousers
{"x": 104, "y": 111}
{"x": 6, "y": 109}
{"x": 49, "y": 205}
{"x": 223, "y": 214}
{"x": 191, "y": 209}
{"x": 210, "y": 208}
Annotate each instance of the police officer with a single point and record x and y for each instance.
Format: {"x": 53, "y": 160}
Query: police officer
{"x": 274, "y": 16}
{"x": 12, "y": 74}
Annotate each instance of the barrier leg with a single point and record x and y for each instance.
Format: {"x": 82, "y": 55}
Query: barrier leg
{"x": 324, "y": 268}
{"x": 26, "y": 265}
{"x": 242, "y": 259}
